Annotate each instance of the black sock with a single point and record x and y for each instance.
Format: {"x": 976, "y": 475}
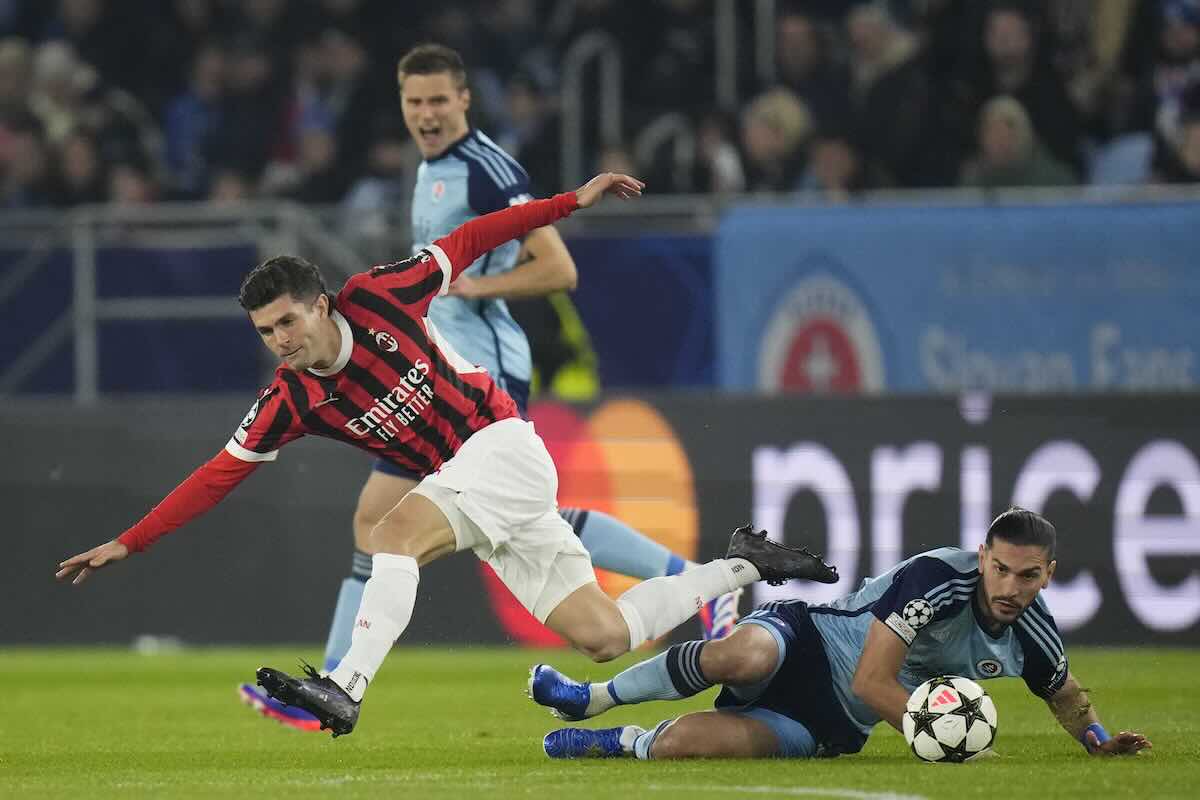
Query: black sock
{"x": 683, "y": 665}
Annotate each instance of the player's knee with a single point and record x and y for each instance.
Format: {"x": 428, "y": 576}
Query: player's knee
{"x": 603, "y": 642}
{"x": 737, "y": 662}
{"x": 364, "y": 525}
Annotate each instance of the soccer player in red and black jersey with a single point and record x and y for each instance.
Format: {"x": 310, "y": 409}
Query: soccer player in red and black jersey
{"x": 370, "y": 369}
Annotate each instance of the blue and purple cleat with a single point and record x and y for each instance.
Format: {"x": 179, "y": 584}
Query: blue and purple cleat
{"x": 720, "y": 615}
{"x": 257, "y": 698}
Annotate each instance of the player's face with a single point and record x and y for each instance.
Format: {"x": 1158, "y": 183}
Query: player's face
{"x": 297, "y": 332}
{"x": 1012, "y": 575}
{"x": 435, "y": 111}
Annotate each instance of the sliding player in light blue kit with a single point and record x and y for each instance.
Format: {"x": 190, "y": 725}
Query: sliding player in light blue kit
{"x": 801, "y": 681}
{"x": 465, "y": 175}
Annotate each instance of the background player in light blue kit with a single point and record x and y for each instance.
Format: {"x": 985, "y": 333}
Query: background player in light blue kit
{"x": 803, "y": 681}
{"x": 465, "y": 175}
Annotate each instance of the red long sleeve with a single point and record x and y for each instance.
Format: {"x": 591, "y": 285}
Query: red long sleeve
{"x": 199, "y": 492}
{"x": 476, "y": 237}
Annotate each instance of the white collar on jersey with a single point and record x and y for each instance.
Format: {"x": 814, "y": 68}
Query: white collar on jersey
{"x": 344, "y": 354}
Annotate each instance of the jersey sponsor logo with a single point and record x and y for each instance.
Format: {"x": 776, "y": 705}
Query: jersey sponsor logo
{"x": 917, "y": 613}
{"x": 900, "y": 627}
{"x": 988, "y": 667}
{"x": 400, "y": 406}
{"x": 385, "y": 341}
{"x": 437, "y": 191}
{"x": 820, "y": 339}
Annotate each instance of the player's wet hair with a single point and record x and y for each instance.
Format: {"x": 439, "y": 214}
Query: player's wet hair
{"x": 279, "y": 276}
{"x": 1020, "y": 526}
{"x": 433, "y": 59}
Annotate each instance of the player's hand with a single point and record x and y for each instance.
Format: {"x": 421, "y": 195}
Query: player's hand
{"x": 1125, "y": 743}
{"x": 623, "y": 186}
{"x": 465, "y": 287}
{"x": 85, "y": 564}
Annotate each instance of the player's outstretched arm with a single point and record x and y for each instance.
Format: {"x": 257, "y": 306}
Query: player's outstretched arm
{"x": 88, "y": 562}
{"x": 875, "y": 678}
{"x": 472, "y": 239}
{"x": 1073, "y": 710}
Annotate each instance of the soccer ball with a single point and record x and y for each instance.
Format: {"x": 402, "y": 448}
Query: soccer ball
{"x": 949, "y": 719}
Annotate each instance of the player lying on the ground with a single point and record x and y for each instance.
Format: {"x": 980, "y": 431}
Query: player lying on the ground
{"x": 794, "y": 684}
{"x": 371, "y": 370}
{"x": 464, "y": 174}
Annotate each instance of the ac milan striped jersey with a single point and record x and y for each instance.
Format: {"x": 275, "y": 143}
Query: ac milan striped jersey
{"x": 397, "y": 387}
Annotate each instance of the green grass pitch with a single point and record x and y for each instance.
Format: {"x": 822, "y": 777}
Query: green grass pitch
{"x": 454, "y": 723}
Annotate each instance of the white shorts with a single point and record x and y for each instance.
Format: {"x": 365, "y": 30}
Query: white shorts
{"x": 499, "y": 494}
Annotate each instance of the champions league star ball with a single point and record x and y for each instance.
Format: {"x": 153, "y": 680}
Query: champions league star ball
{"x": 949, "y": 719}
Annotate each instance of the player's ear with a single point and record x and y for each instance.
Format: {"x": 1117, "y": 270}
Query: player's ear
{"x": 321, "y": 305}
{"x": 1049, "y": 573}
{"x": 465, "y": 94}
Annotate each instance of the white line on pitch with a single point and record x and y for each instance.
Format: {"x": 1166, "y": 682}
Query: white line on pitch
{"x": 788, "y": 791}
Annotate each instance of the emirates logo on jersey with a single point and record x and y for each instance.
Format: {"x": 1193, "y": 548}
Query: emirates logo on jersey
{"x": 385, "y": 341}
{"x": 438, "y": 191}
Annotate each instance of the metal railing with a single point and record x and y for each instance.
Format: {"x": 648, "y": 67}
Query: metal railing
{"x": 602, "y": 48}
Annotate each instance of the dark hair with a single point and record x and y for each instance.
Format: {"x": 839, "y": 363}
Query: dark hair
{"x": 433, "y": 59}
{"x": 278, "y": 276}
{"x": 1022, "y": 527}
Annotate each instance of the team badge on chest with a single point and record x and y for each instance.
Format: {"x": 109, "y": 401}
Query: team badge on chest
{"x": 385, "y": 341}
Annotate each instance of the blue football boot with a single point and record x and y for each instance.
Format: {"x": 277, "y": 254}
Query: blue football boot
{"x": 567, "y": 699}
{"x": 585, "y": 743}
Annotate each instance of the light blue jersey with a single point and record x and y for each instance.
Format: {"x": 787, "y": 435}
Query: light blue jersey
{"x": 929, "y": 602}
{"x": 475, "y": 177}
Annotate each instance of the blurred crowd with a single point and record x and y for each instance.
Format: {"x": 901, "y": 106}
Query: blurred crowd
{"x": 135, "y": 101}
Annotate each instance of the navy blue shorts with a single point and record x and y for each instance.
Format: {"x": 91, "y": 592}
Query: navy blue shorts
{"x": 802, "y": 687}
{"x": 517, "y": 389}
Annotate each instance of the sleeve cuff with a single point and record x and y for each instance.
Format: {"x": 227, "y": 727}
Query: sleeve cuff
{"x": 443, "y": 262}
{"x": 243, "y": 454}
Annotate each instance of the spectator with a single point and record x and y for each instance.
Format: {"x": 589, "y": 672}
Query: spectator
{"x": 16, "y": 69}
{"x": 890, "y": 97}
{"x": 775, "y": 127}
{"x": 718, "y": 163}
{"x": 836, "y": 172}
{"x": 1010, "y": 154}
{"x": 532, "y": 133}
{"x": 617, "y": 158}
{"x": 130, "y": 184}
{"x": 191, "y": 120}
{"x": 250, "y": 129}
{"x": 1014, "y": 67}
{"x": 92, "y": 31}
{"x": 1181, "y": 163}
{"x": 80, "y": 177}
{"x": 803, "y": 64}
{"x": 675, "y": 71}
{"x": 228, "y": 187}
{"x": 182, "y": 30}
{"x": 379, "y": 196}
{"x": 25, "y": 180}
{"x": 56, "y": 96}
{"x": 318, "y": 178}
